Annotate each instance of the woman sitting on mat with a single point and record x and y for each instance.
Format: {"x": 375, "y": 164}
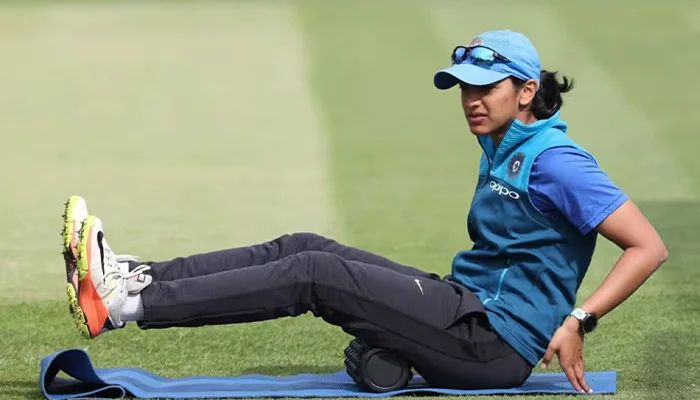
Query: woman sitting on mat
{"x": 509, "y": 302}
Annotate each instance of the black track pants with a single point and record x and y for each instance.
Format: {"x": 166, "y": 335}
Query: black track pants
{"x": 434, "y": 323}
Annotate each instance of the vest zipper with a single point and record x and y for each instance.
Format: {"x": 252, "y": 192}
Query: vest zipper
{"x": 488, "y": 159}
{"x": 505, "y": 270}
{"x": 498, "y": 290}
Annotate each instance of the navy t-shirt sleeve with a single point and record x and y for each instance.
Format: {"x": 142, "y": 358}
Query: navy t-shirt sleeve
{"x": 568, "y": 181}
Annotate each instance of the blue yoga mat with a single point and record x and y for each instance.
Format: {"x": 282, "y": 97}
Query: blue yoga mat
{"x": 89, "y": 381}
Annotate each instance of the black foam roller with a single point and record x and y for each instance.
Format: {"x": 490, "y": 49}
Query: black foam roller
{"x": 374, "y": 369}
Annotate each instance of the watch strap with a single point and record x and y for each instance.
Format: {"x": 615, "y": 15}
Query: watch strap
{"x": 579, "y": 314}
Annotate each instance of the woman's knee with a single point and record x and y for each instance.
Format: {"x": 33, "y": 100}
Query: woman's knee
{"x": 309, "y": 241}
{"x": 294, "y": 243}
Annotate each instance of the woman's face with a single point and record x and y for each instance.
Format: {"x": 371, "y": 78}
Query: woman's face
{"x": 491, "y": 109}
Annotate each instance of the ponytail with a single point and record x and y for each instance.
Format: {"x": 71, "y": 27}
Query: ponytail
{"x": 548, "y": 99}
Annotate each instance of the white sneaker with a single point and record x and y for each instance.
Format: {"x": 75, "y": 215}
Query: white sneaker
{"x": 97, "y": 299}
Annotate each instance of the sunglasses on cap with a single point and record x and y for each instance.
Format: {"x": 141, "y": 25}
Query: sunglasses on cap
{"x": 476, "y": 55}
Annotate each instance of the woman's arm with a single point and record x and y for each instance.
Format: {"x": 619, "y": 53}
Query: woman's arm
{"x": 586, "y": 196}
{"x": 643, "y": 253}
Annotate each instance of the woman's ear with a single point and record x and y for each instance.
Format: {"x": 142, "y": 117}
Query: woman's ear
{"x": 527, "y": 93}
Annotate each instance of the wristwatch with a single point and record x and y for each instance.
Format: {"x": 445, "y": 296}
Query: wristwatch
{"x": 587, "y": 321}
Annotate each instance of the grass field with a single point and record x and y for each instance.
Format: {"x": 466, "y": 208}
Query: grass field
{"x": 198, "y": 127}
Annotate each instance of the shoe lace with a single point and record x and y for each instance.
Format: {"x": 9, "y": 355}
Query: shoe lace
{"x": 138, "y": 270}
{"x": 117, "y": 276}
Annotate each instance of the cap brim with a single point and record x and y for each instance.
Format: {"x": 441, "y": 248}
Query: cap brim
{"x": 467, "y": 73}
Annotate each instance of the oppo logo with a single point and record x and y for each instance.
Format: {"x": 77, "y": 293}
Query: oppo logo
{"x": 503, "y": 191}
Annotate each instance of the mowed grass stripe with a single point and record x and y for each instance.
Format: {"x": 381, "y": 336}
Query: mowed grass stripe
{"x": 691, "y": 15}
{"x": 648, "y": 55}
{"x": 199, "y": 141}
{"x": 402, "y": 164}
{"x": 174, "y": 122}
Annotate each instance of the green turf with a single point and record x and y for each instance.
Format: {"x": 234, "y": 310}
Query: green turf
{"x": 198, "y": 137}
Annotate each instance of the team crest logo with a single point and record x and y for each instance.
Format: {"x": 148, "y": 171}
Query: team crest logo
{"x": 515, "y": 165}
{"x": 476, "y": 42}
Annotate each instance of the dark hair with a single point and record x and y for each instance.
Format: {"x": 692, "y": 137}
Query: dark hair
{"x": 548, "y": 99}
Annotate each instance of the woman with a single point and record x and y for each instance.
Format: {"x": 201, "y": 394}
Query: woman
{"x": 540, "y": 203}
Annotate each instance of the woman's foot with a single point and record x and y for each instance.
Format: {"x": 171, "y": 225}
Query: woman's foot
{"x": 98, "y": 283}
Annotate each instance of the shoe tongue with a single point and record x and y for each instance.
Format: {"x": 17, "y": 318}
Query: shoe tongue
{"x": 137, "y": 283}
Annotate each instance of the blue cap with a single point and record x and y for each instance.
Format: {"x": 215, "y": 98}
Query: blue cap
{"x": 524, "y": 61}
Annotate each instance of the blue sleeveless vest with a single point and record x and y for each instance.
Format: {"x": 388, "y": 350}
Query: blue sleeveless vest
{"x": 524, "y": 267}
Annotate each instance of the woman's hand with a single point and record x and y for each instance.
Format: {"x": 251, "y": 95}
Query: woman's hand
{"x": 567, "y": 344}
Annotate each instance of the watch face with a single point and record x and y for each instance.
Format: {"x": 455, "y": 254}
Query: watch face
{"x": 590, "y": 323}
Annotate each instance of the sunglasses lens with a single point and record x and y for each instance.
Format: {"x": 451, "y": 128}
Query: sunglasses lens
{"x": 474, "y": 55}
{"x": 459, "y": 55}
{"x": 481, "y": 54}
